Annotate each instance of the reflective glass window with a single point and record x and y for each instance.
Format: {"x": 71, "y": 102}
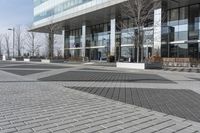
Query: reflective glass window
{"x": 194, "y": 22}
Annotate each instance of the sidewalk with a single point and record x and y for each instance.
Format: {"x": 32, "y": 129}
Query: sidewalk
{"x": 29, "y": 105}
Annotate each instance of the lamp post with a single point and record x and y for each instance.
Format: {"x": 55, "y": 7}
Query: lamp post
{"x": 13, "y": 30}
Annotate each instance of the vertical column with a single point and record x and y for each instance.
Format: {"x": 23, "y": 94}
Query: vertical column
{"x": 51, "y": 45}
{"x": 157, "y": 30}
{"x": 83, "y": 40}
{"x": 63, "y": 43}
{"x": 112, "y": 37}
{"x": 66, "y": 43}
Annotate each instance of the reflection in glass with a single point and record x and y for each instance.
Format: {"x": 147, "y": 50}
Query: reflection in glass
{"x": 75, "y": 53}
{"x": 194, "y": 22}
{"x": 182, "y": 50}
{"x": 127, "y": 52}
{"x": 178, "y": 20}
{"x": 193, "y": 50}
{"x": 96, "y": 53}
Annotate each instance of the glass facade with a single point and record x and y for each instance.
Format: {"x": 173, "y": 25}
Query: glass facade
{"x": 54, "y": 9}
{"x": 98, "y": 35}
{"x": 66, "y": 5}
{"x": 97, "y": 41}
{"x": 178, "y": 21}
{"x": 180, "y": 39}
{"x": 38, "y": 2}
{"x": 180, "y": 31}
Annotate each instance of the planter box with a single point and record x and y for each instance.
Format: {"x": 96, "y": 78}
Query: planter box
{"x": 57, "y": 61}
{"x": 35, "y": 60}
{"x": 26, "y": 60}
{"x": 13, "y": 59}
{"x": 45, "y": 61}
{"x": 131, "y": 65}
{"x": 155, "y": 65}
{"x": 4, "y": 58}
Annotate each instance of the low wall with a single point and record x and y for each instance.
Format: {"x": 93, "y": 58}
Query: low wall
{"x": 45, "y": 61}
{"x": 177, "y": 62}
{"x": 4, "y": 58}
{"x": 131, "y": 65}
{"x": 13, "y": 59}
{"x": 26, "y": 60}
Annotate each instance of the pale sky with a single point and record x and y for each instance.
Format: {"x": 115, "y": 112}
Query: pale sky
{"x": 15, "y": 12}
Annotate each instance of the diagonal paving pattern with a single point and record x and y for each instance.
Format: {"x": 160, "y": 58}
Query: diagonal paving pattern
{"x": 47, "y": 107}
{"x": 24, "y": 72}
{"x": 183, "y": 69}
{"x": 181, "y": 103}
{"x": 30, "y": 106}
{"x": 106, "y": 77}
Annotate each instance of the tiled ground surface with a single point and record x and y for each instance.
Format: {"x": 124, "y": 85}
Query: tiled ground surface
{"x": 49, "y": 108}
{"x": 24, "y": 72}
{"x": 8, "y": 62}
{"x": 103, "y": 64}
{"x": 179, "y": 69}
{"x": 106, "y": 76}
{"x": 181, "y": 103}
{"x": 32, "y": 106}
{"x": 197, "y": 79}
{"x": 93, "y": 69}
{"x": 39, "y": 66}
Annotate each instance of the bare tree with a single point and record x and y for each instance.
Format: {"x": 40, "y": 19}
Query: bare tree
{"x": 52, "y": 29}
{"x": 46, "y": 46}
{"x": 7, "y": 47}
{"x": 19, "y": 40}
{"x": 31, "y": 42}
{"x": 1, "y": 43}
{"x": 58, "y": 40}
{"x": 139, "y": 12}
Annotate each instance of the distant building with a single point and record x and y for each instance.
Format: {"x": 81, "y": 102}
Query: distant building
{"x": 89, "y": 28}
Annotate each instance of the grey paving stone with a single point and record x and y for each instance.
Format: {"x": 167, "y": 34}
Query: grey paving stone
{"x": 24, "y": 72}
{"x": 110, "y": 130}
{"x": 44, "y": 131}
{"x": 60, "y": 128}
{"x": 61, "y": 131}
{"x": 107, "y": 76}
{"x": 13, "y": 125}
{"x": 49, "y": 107}
{"x": 38, "y": 66}
{"x": 93, "y": 129}
{"x": 182, "y": 103}
{"x": 8, "y": 130}
{"x": 26, "y": 131}
{"x": 36, "y": 129}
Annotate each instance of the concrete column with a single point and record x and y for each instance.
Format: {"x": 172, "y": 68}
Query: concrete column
{"x": 51, "y": 46}
{"x": 112, "y": 37}
{"x": 66, "y": 43}
{"x": 157, "y": 31}
{"x": 83, "y": 40}
{"x": 63, "y": 42}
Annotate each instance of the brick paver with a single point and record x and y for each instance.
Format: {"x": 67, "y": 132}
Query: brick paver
{"x": 183, "y": 69}
{"x": 29, "y": 106}
{"x": 181, "y": 103}
{"x": 24, "y": 72}
{"x": 47, "y": 107}
{"x": 107, "y": 76}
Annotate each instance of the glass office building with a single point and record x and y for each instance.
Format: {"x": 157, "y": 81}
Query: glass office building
{"x": 90, "y": 28}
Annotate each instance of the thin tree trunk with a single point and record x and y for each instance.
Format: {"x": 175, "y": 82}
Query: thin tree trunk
{"x": 33, "y": 47}
{"x": 51, "y": 42}
{"x": 138, "y": 45}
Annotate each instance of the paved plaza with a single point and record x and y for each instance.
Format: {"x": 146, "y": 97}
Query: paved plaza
{"x": 70, "y": 98}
